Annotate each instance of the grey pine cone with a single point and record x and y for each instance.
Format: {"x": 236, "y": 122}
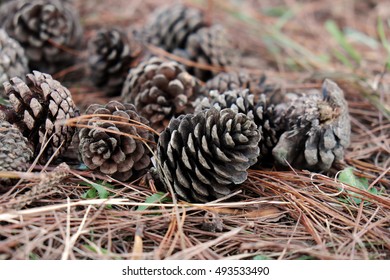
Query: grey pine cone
{"x": 210, "y": 47}
{"x": 317, "y": 128}
{"x": 204, "y": 156}
{"x": 242, "y": 101}
{"x": 159, "y": 90}
{"x": 13, "y": 61}
{"x": 118, "y": 153}
{"x": 48, "y": 30}
{"x": 225, "y": 81}
{"x": 170, "y": 26}
{"x": 40, "y": 106}
{"x": 111, "y": 53}
{"x": 15, "y": 153}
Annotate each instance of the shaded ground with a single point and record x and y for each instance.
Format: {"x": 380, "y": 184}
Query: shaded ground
{"x": 275, "y": 214}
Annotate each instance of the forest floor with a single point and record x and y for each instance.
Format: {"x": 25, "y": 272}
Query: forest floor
{"x": 275, "y": 214}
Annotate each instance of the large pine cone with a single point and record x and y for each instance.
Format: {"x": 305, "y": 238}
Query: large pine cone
{"x": 120, "y": 153}
{"x": 317, "y": 128}
{"x": 203, "y": 156}
{"x": 15, "y": 152}
{"x": 159, "y": 90}
{"x": 110, "y": 56}
{"x": 225, "y": 81}
{"x": 40, "y": 106}
{"x": 48, "y": 30}
{"x": 210, "y": 47}
{"x": 13, "y": 61}
{"x": 242, "y": 101}
{"x": 170, "y": 26}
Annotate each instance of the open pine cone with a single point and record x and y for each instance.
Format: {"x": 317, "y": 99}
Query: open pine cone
{"x": 112, "y": 144}
{"x": 40, "y": 106}
{"x": 242, "y": 101}
{"x": 13, "y": 61}
{"x": 225, "y": 81}
{"x": 110, "y": 56}
{"x": 170, "y": 26}
{"x": 204, "y": 156}
{"x": 210, "y": 47}
{"x": 47, "y": 29}
{"x": 159, "y": 90}
{"x": 15, "y": 152}
{"x": 317, "y": 128}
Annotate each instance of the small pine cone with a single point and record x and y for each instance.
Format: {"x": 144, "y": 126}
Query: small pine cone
{"x": 15, "y": 152}
{"x": 40, "y": 107}
{"x": 203, "y": 156}
{"x": 115, "y": 153}
{"x": 110, "y": 56}
{"x": 211, "y": 47}
{"x": 170, "y": 26}
{"x": 47, "y": 29}
{"x": 242, "y": 101}
{"x": 225, "y": 81}
{"x": 317, "y": 130}
{"x": 159, "y": 90}
{"x": 13, "y": 62}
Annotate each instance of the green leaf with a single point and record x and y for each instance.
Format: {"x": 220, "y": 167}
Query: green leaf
{"x": 339, "y": 36}
{"x": 384, "y": 41}
{"x": 154, "y": 198}
{"x": 91, "y": 193}
{"x": 348, "y": 177}
{"x": 261, "y": 258}
{"x": 4, "y": 101}
{"x": 98, "y": 189}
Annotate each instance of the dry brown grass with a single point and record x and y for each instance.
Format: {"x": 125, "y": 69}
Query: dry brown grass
{"x": 274, "y": 214}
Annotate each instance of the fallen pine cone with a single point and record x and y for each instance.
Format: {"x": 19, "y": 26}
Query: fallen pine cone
{"x": 115, "y": 144}
{"x": 317, "y": 128}
{"x": 39, "y": 108}
{"x": 206, "y": 155}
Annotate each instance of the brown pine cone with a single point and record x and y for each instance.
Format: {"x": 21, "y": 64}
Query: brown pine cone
{"x": 48, "y": 30}
{"x": 110, "y": 56}
{"x": 317, "y": 128}
{"x": 170, "y": 26}
{"x": 159, "y": 90}
{"x": 13, "y": 61}
{"x": 211, "y": 47}
{"x": 120, "y": 153}
{"x": 204, "y": 156}
{"x": 225, "y": 81}
{"x": 40, "y": 106}
{"x": 15, "y": 152}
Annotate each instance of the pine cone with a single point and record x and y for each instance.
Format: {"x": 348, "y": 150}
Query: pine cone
{"x": 15, "y": 152}
{"x": 114, "y": 153}
{"x": 159, "y": 90}
{"x": 170, "y": 26}
{"x": 46, "y": 29}
{"x": 211, "y": 47}
{"x": 203, "y": 156}
{"x": 39, "y": 108}
{"x": 317, "y": 130}
{"x": 13, "y": 61}
{"x": 242, "y": 101}
{"x": 110, "y": 56}
{"x": 225, "y": 81}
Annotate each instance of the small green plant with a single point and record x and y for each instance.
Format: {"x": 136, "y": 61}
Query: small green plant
{"x": 97, "y": 190}
{"x": 347, "y": 176}
{"x": 154, "y": 198}
{"x": 261, "y": 258}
